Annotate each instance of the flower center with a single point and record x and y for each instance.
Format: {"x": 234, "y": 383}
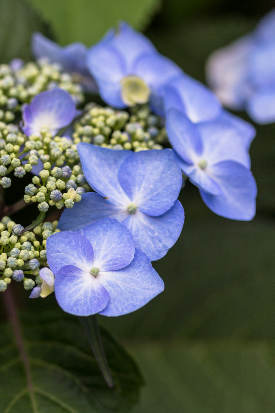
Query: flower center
{"x": 94, "y": 271}
{"x": 202, "y": 164}
{"x": 132, "y": 209}
{"x": 134, "y": 90}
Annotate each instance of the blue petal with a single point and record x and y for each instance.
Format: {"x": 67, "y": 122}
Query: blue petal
{"x": 69, "y": 248}
{"x": 108, "y": 68}
{"x": 227, "y": 72}
{"x": 239, "y": 192}
{"x": 35, "y": 293}
{"x": 46, "y": 275}
{"x": 72, "y": 58}
{"x": 129, "y": 43}
{"x": 78, "y": 292}
{"x": 265, "y": 31}
{"x": 262, "y": 65}
{"x": 183, "y": 135}
{"x": 132, "y": 287}
{"x": 156, "y": 235}
{"x": 53, "y": 109}
{"x": 156, "y": 70}
{"x": 223, "y": 141}
{"x": 261, "y": 106}
{"x": 90, "y": 209}
{"x": 112, "y": 243}
{"x": 245, "y": 129}
{"x": 201, "y": 178}
{"x": 43, "y": 47}
{"x": 190, "y": 96}
{"x": 100, "y": 167}
{"x": 152, "y": 180}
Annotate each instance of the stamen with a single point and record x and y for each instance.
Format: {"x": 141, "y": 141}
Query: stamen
{"x": 134, "y": 90}
{"x": 132, "y": 209}
{"x": 94, "y": 271}
{"x": 202, "y": 164}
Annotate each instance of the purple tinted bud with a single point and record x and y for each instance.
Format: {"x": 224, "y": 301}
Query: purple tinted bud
{"x": 35, "y": 292}
{"x": 18, "y": 275}
{"x": 66, "y": 171}
{"x": 71, "y": 184}
{"x": 18, "y": 229}
{"x": 33, "y": 264}
{"x": 16, "y": 64}
{"x": 56, "y": 195}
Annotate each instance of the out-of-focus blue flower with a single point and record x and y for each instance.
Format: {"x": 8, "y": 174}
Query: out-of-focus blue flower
{"x": 98, "y": 270}
{"x": 243, "y": 73}
{"x": 71, "y": 58}
{"x": 128, "y": 69}
{"x": 50, "y": 110}
{"x": 139, "y": 189}
{"x": 214, "y": 155}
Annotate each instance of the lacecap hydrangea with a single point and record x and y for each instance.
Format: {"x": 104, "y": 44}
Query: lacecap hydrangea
{"x": 106, "y": 176}
{"x": 243, "y": 74}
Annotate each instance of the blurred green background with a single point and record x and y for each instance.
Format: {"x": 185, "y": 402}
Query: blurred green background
{"x": 207, "y": 344}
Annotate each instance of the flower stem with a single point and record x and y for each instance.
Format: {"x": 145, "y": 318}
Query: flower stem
{"x": 12, "y": 209}
{"x": 36, "y": 222}
{"x": 92, "y": 330}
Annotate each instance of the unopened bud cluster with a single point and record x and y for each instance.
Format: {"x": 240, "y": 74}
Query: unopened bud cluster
{"x": 59, "y": 180}
{"x": 23, "y": 252}
{"x": 19, "y": 83}
{"x": 136, "y": 130}
{"x": 13, "y": 161}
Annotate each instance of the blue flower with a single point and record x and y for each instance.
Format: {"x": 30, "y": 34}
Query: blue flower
{"x": 98, "y": 270}
{"x": 51, "y": 110}
{"x": 128, "y": 69}
{"x": 243, "y": 73}
{"x": 214, "y": 155}
{"x": 139, "y": 189}
{"x": 71, "y": 58}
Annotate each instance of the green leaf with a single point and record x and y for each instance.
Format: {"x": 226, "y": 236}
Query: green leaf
{"x": 213, "y": 377}
{"x": 87, "y": 20}
{"x": 47, "y": 367}
{"x": 17, "y": 23}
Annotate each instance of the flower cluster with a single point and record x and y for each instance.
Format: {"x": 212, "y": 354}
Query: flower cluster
{"x": 243, "y": 73}
{"x": 117, "y": 170}
{"x": 23, "y": 252}
{"x": 110, "y": 128}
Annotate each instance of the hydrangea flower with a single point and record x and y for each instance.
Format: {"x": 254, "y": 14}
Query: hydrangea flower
{"x": 71, "y": 58}
{"x": 50, "y": 110}
{"x": 98, "y": 270}
{"x": 139, "y": 189}
{"x": 243, "y": 73}
{"x": 128, "y": 69}
{"x": 215, "y": 158}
